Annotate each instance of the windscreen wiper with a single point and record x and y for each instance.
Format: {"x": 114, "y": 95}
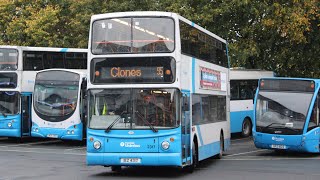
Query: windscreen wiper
{"x": 280, "y": 124}
{"x": 3, "y": 114}
{"x": 146, "y": 121}
{"x": 113, "y": 123}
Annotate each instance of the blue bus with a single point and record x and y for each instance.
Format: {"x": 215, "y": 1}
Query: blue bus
{"x": 59, "y": 104}
{"x": 18, "y": 67}
{"x": 243, "y": 85}
{"x": 287, "y": 115}
{"x": 157, "y": 95}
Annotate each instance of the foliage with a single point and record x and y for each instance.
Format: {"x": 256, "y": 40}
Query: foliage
{"x": 282, "y": 36}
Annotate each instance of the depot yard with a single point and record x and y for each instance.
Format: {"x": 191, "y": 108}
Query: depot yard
{"x": 54, "y": 159}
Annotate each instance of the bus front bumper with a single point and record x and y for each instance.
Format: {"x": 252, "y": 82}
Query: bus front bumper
{"x": 10, "y": 126}
{"x": 70, "y": 133}
{"x": 299, "y": 143}
{"x": 144, "y": 159}
{"x": 10, "y": 132}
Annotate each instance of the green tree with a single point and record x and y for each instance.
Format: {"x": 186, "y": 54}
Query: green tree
{"x": 282, "y": 36}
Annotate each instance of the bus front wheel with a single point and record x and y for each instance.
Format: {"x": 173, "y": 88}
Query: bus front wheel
{"x": 195, "y": 159}
{"x": 246, "y": 128}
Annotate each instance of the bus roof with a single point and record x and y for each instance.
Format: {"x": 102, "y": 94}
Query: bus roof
{"x": 242, "y": 74}
{"x": 77, "y": 71}
{"x": 291, "y": 78}
{"x": 154, "y": 13}
{"x": 52, "y": 49}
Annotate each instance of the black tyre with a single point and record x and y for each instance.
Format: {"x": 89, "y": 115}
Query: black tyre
{"x": 246, "y": 128}
{"x": 219, "y": 156}
{"x": 195, "y": 160}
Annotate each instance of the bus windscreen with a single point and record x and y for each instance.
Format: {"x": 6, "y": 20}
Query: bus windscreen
{"x": 8, "y": 80}
{"x": 133, "y": 70}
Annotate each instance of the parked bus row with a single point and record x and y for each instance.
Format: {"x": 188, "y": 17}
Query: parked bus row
{"x": 147, "y": 95}
{"x": 57, "y": 107}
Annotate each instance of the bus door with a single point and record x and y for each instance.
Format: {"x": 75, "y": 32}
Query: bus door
{"x": 26, "y": 114}
{"x": 186, "y": 128}
{"x": 83, "y": 105}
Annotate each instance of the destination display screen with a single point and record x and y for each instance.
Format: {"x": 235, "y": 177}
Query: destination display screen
{"x": 133, "y": 70}
{"x": 287, "y": 85}
{"x": 8, "y": 80}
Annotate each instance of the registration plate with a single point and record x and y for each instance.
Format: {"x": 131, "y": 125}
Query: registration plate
{"x": 130, "y": 160}
{"x": 52, "y": 136}
{"x": 278, "y": 146}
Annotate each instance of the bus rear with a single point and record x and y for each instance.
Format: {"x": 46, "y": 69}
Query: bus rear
{"x": 287, "y": 115}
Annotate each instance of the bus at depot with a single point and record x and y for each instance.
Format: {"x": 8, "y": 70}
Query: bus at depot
{"x": 243, "y": 85}
{"x": 287, "y": 115}
{"x": 18, "y": 66}
{"x": 59, "y": 104}
{"x": 158, "y": 91}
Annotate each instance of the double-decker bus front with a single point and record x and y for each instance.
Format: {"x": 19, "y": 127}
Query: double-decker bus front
{"x": 10, "y": 116}
{"x": 287, "y": 115}
{"x": 134, "y": 96}
{"x": 56, "y": 105}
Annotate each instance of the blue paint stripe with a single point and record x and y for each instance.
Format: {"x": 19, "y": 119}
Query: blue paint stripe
{"x": 193, "y": 75}
{"x": 199, "y": 135}
{"x": 192, "y": 24}
{"x": 64, "y": 50}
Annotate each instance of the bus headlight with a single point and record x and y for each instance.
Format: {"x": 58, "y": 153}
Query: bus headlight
{"x": 9, "y": 124}
{"x": 97, "y": 145}
{"x": 165, "y": 145}
{"x": 72, "y": 132}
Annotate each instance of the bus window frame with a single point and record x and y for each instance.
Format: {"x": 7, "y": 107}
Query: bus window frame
{"x": 132, "y": 17}
{"x": 18, "y": 57}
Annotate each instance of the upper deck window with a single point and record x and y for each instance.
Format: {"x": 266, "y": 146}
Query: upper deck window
{"x": 133, "y": 35}
{"x": 203, "y": 46}
{"x": 8, "y": 59}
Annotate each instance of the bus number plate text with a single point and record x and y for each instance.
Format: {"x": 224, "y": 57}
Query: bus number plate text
{"x": 278, "y": 146}
{"x": 130, "y": 160}
{"x": 52, "y": 136}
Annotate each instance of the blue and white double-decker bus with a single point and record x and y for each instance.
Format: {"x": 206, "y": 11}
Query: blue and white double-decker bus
{"x": 287, "y": 115}
{"x": 18, "y": 67}
{"x": 59, "y": 104}
{"x": 158, "y": 91}
{"x": 243, "y": 85}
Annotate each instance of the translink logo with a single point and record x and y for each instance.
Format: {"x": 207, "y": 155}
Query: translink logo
{"x": 129, "y": 145}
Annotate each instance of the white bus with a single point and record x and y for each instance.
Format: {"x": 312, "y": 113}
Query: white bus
{"x": 18, "y": 66}
{"x": 243, "y": 84}
{"x": 158, "y": 91}
{"x": 59, "y": 104}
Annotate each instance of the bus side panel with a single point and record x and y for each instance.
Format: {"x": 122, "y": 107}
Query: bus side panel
{"x": 240, "y": 109}
{"x": 208, "y": 137}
